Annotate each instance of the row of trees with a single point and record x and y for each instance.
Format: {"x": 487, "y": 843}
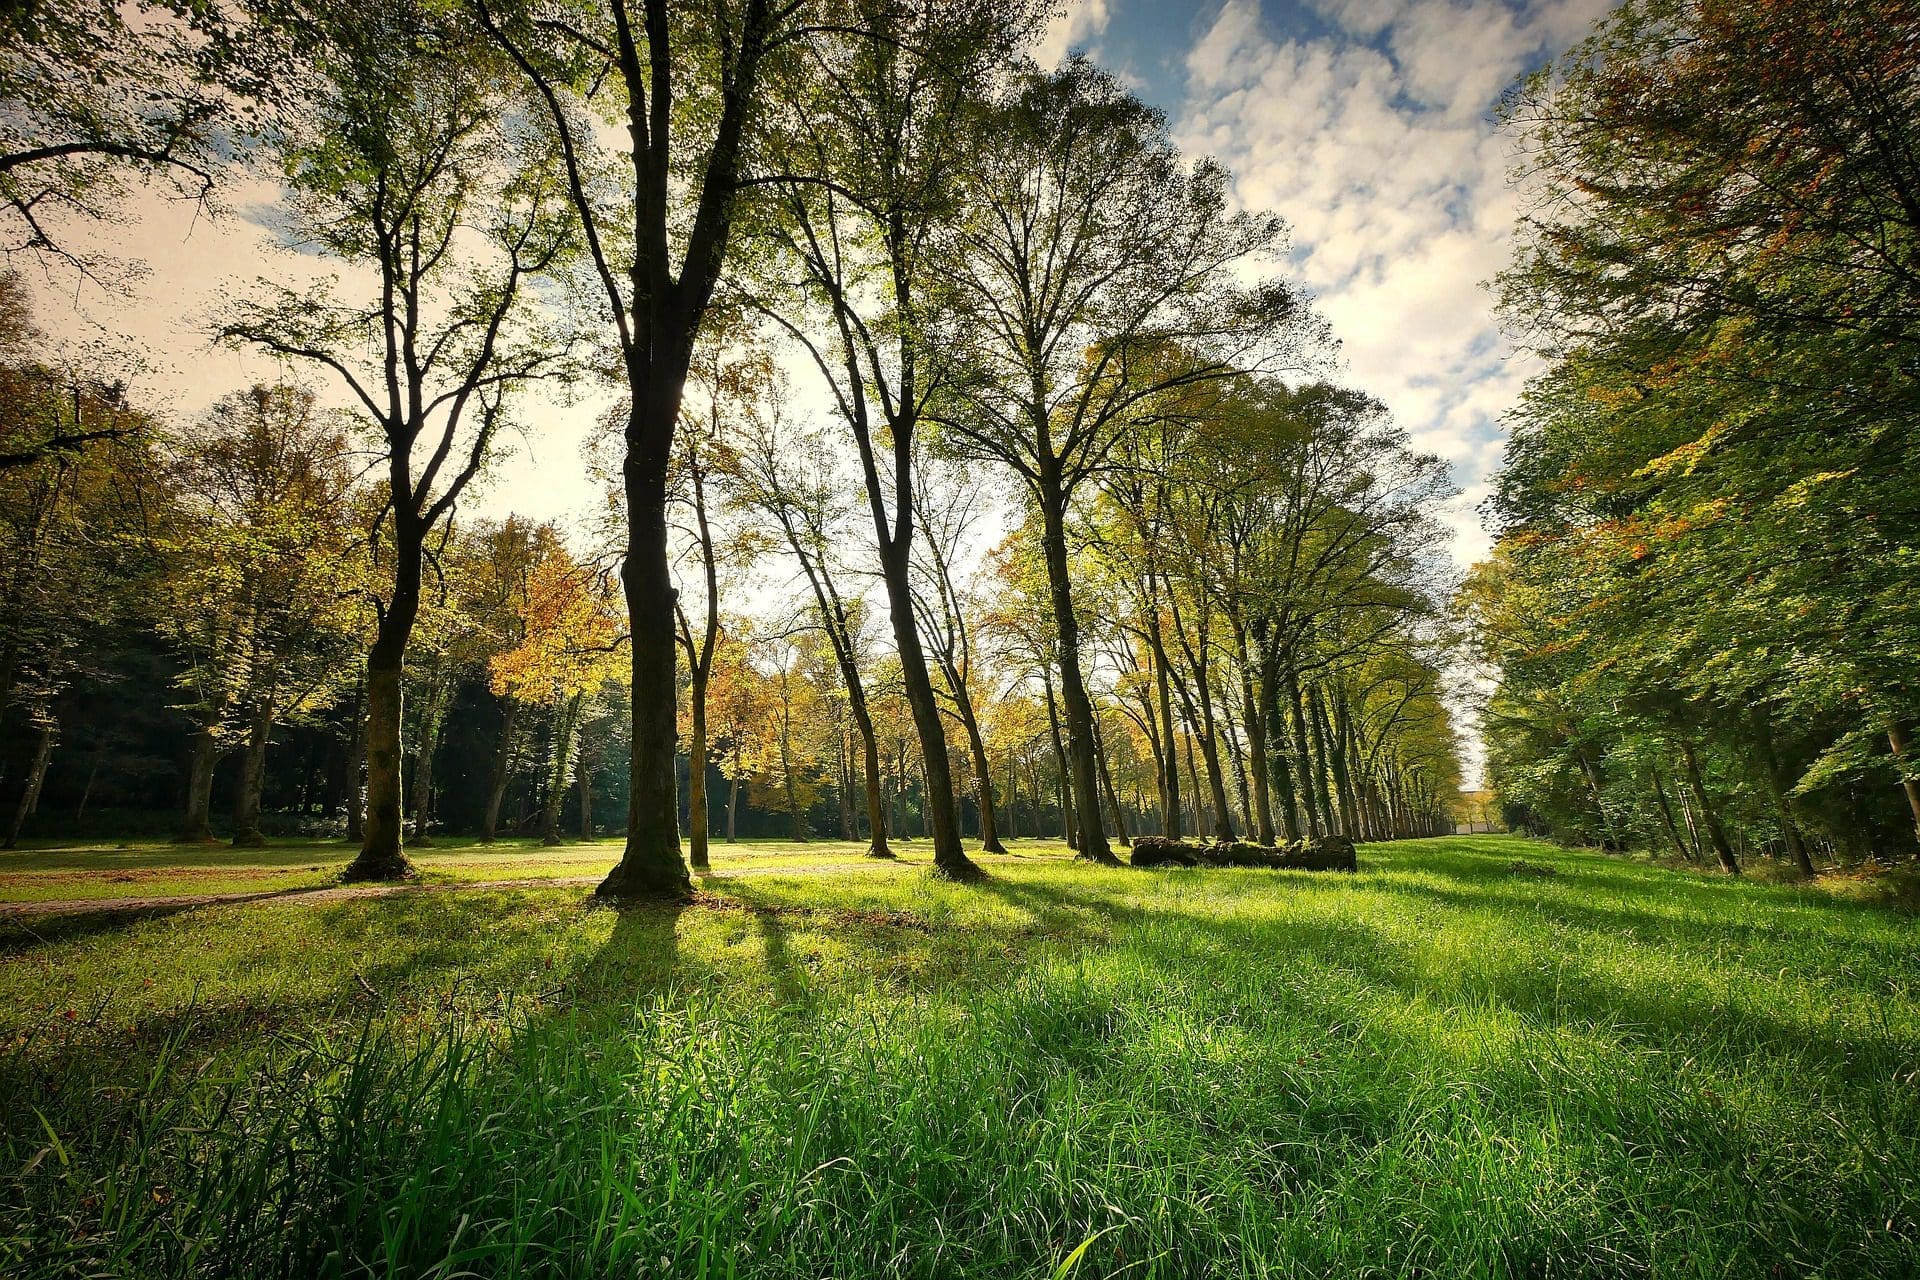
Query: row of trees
{"x": 989, "y": 270}
{"x": 1701, "y": 611}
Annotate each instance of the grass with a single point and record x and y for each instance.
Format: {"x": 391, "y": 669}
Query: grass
{"x": 1446, "y": 1065}
{"x": 58, "y": 872}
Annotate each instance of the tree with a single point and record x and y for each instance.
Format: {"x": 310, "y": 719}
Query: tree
{"x": 1097, "y": 274}
{"x": 259, "y": 595}
{"x": 1708, "y": 485}
{"x": 881, "y": 136}
{"x": 407, "y": 166}
{"x": 949, "y": 507}
{"x": 694, "y": 80}
{"x": 570, "y": 649}
{"x": 794, "y": 479}
{"x": 95, "y": 93}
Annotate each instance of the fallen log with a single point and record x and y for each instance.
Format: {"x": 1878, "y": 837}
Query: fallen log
{"x": 1328, "y": 853}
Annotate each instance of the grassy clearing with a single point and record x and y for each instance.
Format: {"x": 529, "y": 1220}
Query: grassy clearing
{"x": 1442, "y": 1066}
{"x": 155, "y": 868}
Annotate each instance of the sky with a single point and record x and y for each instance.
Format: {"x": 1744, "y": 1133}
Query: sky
{"x": 1368, "y": 125}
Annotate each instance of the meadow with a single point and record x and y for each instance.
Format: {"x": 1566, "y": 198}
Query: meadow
{"x": 1479, "y": 1056}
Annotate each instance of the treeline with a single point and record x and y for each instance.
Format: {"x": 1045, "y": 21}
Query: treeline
{"x": 1203, "y": 596}
{"x": 1702, "y": 608}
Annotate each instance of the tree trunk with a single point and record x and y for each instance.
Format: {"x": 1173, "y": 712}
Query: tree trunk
{"x": 36, "y": 776}
{"x": 733, "y": 807}
{"x": 1073, "y": 690}
{"x": 1106, "y": 787}
{"x": 870, "y": 766}
{"x": 650, "y": 866}
{"x": 1909, "y": 782}
{"x": 1666, "y": 818}
{"x": 1163, "y": 691}
{"x": 982, "y": 773}
{"x": 949, "y": 857}
{"x": 1013, "y": 796}
{"x": 1782, "y": 803}
{"x": 1064, "y": 791}
{"x": 430, "y": 718}
{"x": 1302, "y": 759}
{"x": 585, "y": 783}
{"x": 355, "y": 798}
{"x": 501, "y": 772}
{"x": 382, "y": 854}
{"x": 566, "y": 721}
{"x": 1715, "y": 833}
{"x": 697, "y": 775}
{"x": 197, "y": 826}
{"x": 253, "y": 776}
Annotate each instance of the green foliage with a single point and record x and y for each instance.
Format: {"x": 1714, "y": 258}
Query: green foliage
{"x": 1708, "y": 508}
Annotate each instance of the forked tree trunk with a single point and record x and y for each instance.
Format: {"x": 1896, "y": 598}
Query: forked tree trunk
{"x": 1092, "y": 844}
{"x": 36, "y": 777}
{"x": 196, "y": 827}
{"x": 1716, "y": 834}
{"x": 697, "y": 774}
{"x": 501, "y": 772}
{"x": 253, "y": 775}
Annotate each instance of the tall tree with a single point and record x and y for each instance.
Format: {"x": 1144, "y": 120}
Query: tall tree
{"x": 407, "y": 166}
{"x": 692, "y": 80}
{"x": 871, "y": 173}
{"x": 1097, "y": 273}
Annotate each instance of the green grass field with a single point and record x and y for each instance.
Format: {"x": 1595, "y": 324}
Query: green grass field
{"x": 1478, "y": 1056}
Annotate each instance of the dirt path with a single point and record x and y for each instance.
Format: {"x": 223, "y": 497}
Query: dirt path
{"x": 321, "y": 894}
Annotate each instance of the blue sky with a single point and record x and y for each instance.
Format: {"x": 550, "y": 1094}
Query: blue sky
{"x": 1368, "y": 125}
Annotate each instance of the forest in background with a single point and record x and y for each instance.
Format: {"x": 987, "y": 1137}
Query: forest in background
{"x": 1700, "y": 614}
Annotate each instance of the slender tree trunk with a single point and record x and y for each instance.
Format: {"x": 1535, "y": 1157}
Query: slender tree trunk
{"x": 197, "y": 826}
{"x": 1909, "y": 781}
{"x": 937, "y": 804}
{"x": 1715, "y": 833}
{"x": 1667, "y": 818}
{"x": 1253, "y": 710}
{"x": 1304, "y": 773}
{"x": 86, "y": 791}
{"x": 870, "y": 768}
{"x": 352, "y": 797}
{"x": 432, "y": 712}
{"x": 697, "y": 775}
{"x": 982, "y": 772}
{"x": 36, "y": 777}
{"x": 1073, "y": 690}
{"x": 1106, "y": 787}
{"x": 585, "y": 782}
{"x": 253, "y": 775}
{"x": 502, "y": 770}
{"x": 1013, "y": 796}
{"x": 1782, "y": 803}
{"x": 1163, "y": 688}
{"x": 733, "y": 808}
{"x": 1068, "y": 831}
{"x": 1193, "y": 780}
{"x": 566, "y": 720}
{"x": 1592, "y": 776}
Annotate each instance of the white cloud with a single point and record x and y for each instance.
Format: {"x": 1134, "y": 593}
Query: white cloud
{"x": 1072, "y": 28}
{"x": 1383, "y": 158}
